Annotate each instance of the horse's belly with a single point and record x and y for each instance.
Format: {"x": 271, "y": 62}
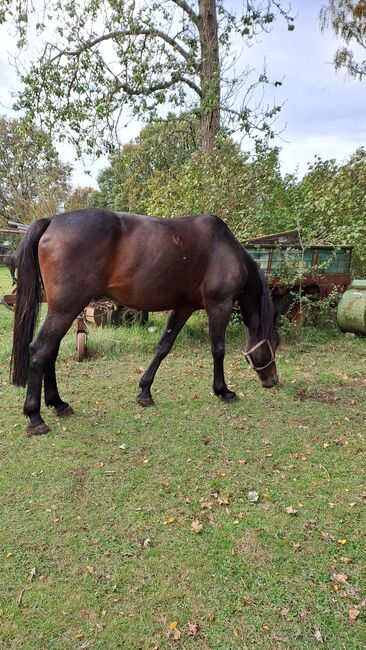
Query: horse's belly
{"x": 154, "y": 298}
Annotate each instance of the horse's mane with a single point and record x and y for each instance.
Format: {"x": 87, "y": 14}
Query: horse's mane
{"x": 267, "y": 328}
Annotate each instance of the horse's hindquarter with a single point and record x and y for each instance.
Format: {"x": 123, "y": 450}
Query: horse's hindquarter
{"x": 74, "y": 255}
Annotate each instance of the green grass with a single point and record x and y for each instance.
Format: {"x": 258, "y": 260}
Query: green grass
{"x": 78, "y": 505}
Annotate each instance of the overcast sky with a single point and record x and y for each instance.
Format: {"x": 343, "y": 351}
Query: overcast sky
{"x": 324, "y": 111}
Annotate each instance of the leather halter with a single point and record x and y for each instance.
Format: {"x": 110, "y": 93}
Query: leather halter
{"x": 255, "y": 347}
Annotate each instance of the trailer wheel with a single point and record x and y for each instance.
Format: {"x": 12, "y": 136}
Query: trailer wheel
{"x": 81, "y": 337}
{"x": 80, "y": 346}
{"x": 125, "y": 316}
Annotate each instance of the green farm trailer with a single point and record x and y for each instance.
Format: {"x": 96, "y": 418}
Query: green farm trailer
{"x": 290, "y": 268}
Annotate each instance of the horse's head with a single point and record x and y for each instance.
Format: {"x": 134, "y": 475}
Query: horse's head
{"x": 261, "y": 357}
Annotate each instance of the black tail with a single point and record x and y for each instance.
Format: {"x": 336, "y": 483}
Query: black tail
{"x": 29, "y": 289}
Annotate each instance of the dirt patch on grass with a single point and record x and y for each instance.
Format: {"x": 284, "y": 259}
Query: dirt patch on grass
{"x": 351, "y": 393}
{"x": 79, "y": 477}
{"x": 252, "y": 548}
{"x": 330, "y": 396}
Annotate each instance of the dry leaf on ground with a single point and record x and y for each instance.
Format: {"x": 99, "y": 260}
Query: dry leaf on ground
{"x": 353, "y": 613}
{"x": 193, "y": 628}
{"x": 196, "y": 526}
{"x": 317, "y": 633}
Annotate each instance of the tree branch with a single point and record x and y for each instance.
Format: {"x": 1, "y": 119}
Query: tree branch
{"x": 188, "y": 10}
{"x": 153, "y": 33}
{"x": 147, "y": 90}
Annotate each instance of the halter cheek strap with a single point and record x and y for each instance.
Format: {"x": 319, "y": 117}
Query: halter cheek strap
{"x": 255, "y": 347}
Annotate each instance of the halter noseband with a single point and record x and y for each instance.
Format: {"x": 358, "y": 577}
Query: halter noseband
{"x": 255, "y": 347}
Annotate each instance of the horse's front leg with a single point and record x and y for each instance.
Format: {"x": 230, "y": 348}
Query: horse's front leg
{"x": 177, "y": 319}
{"x": 218, "y": 318}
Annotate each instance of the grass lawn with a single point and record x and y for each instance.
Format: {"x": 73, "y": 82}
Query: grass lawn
{"x": 132, "y": 528}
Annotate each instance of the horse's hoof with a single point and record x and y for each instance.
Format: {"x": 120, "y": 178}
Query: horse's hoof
{"x": 229, "y": 398}
{"x": 37, "y": 430}
{"x": 63, "y": 411}
{"x": 145, "y": 401}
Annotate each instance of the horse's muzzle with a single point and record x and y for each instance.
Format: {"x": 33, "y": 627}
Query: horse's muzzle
{"x": 270, "y": 382}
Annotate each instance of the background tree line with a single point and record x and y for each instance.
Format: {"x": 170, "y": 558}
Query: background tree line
{"x": 163, "y": 172}
{"x": 176, "y": 58}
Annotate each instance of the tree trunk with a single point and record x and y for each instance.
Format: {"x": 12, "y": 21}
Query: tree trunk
{"x": 210, "y": 73}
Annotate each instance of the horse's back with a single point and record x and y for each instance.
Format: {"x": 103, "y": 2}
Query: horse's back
{"x": 145, "y": 262}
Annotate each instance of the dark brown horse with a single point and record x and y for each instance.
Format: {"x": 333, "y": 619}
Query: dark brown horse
{"x": 147, "y": 263}
{"x": 10, "y": 260}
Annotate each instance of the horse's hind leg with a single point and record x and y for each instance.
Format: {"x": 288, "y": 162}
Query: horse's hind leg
{"x": 42, "y": 355}
{"x": 218, "y": 318}
{"x": 51, "y": 394}
{"x": 177, "y": 319}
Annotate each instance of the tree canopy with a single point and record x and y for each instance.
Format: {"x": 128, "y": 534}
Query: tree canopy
{"x": 33, "y": 180}
{"x": 156, "y": 174}
{"x": 348, "y": 21}
{"x": 101, "y": 56}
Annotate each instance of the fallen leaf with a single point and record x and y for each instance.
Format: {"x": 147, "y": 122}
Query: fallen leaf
{"x": 353, "y": 613}
{"x": 340, "y": 577}
{"x": 196, "y": 526}
{"x": 342, "y": 542}
{"x": 169, "y": 521}
{"x": 291, "y": 511}
{"x": 205, "y": 504}
{"x": 316, "y": 632}
{"x": 346, "y": 560}
{"x": 32, "y": 574}
{"x": 253, "y": 496}
{"x": 223, "y": 502}
{"x": 90, "y": 569}
{"x": 193, "y": 629}
{"x": 174, "y": 633}
{"x": 242, "y": 461}
{"x": 327, "y": 536}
